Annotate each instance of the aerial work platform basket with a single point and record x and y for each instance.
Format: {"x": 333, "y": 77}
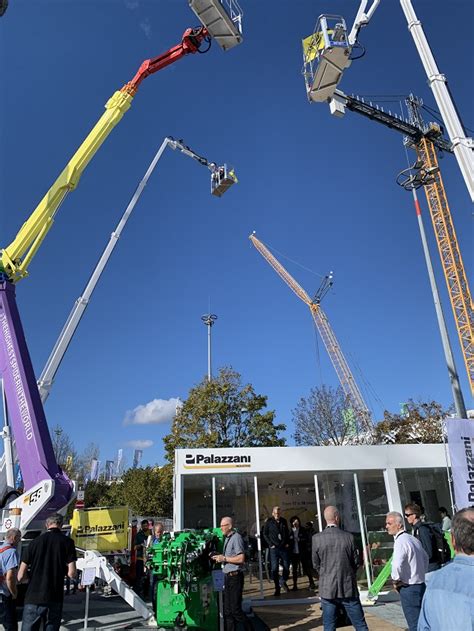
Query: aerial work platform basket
{"x": 222, "y": 18}
{"x": 222, "y": 178}
{"x": 326, "y": 54}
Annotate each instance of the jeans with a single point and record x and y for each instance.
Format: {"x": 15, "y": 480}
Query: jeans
{"x": 8, "y": 613}
{"x": 34, "y": 615}
{"x": 352, "y": 607}
{"x": 296, "y": 559}
{"x": 411, "y": 597}
{"x": 278, "y": 555}
{"x": 233, "y": 614}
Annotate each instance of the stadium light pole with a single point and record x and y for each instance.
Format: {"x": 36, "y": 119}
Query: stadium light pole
{"x": 209, "y": 319}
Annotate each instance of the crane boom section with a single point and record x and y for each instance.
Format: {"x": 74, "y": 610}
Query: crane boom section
{"x": 450, "y": 254}
{"x": 280, "y": 270}
{"x": 36, "y": 227}
{"x": 340, "y": 364}
{"x": 328, "y": 336}
{"x": 15, "y": 258}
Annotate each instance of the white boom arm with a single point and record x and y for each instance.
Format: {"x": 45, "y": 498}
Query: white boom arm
{"x": 362, "y": 19}
{"x": 105, "y": 572}
{"x": 45, "y": 382}
{"x": 462, "y": 145}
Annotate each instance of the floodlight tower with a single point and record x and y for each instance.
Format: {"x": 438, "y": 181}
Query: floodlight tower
{"x": 209, "y": 319}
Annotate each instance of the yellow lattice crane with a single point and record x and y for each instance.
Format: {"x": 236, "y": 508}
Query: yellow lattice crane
{"x": 344, "y": 373}
{"x": 450, "y": 254}
{"x": 327, "y": 54}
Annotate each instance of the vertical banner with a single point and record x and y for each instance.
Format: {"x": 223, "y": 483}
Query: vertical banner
{"x": 137, "y": 456}
{"x": 118, "y": 468}
{"x": 460, "y": 445}
{"x": 94, "y": 469}
{"x": 109, "y": 470}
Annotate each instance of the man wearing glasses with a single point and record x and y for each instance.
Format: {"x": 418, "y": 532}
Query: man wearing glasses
{"x": 422, "y": 531}
{"x": 232, "y": 560}
{"x": 409, "y": 565}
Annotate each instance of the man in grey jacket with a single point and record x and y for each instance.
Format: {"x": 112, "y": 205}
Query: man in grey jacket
{"x": 335, "y": 559}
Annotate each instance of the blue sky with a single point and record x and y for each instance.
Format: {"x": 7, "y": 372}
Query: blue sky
{"x": 318, "y": 189}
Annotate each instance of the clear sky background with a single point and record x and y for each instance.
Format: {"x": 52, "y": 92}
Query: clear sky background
{"x": 318, "y": 189}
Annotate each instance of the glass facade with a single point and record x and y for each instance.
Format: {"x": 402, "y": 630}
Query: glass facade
{"x": 362, "y": 496}
{"x": 293, "y": 492}
{"x": 368, "y": 527}
{"x": 429, "y": 488}
{"x": 197, "y": 500}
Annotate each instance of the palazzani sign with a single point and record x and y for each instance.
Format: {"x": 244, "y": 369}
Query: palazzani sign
{"x": 461, "y": 447}
{"x": 214, "y": 461}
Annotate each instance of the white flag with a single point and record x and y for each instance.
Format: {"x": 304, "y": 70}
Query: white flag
{"x": 460, "y": 444}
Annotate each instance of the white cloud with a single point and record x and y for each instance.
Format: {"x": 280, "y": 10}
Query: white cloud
{"x": 131, "y": 4}
{"x": 145, "y": 25}
{"x": 139, "y": 444}
{"x": 154, "y": 412}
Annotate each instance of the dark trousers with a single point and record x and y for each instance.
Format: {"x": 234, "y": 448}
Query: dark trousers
{"x": 277, "y": 556}
{"x": 411, "y": 597}
{"x": 233, "y": 614}
{"x": 352, "y": 607}
{"x": 35, "y": 615}
{"x": 140, "y": 585}
{"x": 8, "y": 613}
{"x": 296, "y": 559}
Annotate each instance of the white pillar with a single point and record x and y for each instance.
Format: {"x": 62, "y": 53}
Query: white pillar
{"x": 318, "y": 503}
{"x": 393, "y": 491}
{"x": 259, "y": 537}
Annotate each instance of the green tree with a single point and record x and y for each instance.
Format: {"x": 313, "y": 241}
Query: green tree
{"x": 323, "y": 418}
{"x": 418, "y": 422}
{"x": 65, "y": 454}
{"x": 223, "y": 413}
{"x": 95, "y": 494}
{"x": 145, "y": 492}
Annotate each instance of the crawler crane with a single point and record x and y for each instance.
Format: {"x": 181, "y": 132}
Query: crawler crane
{"x": 47, "y": 488}
{"x": 344, "y": 373}
{"x": 318, "y": 50}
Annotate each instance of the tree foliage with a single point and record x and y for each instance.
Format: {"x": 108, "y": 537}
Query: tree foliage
{"x": 322, "y": 418}
{"x": 419, "y": 422}
{"x": 223, "y": 413}
{"x": 146, "y": 491}
{"x": 64, "y": 451}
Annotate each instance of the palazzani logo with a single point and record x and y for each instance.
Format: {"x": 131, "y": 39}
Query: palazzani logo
{"x": 470, "y": 466}
{"x": 202, "y": 461}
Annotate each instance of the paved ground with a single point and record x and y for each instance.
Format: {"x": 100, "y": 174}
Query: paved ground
{"x": 113, "y": 613}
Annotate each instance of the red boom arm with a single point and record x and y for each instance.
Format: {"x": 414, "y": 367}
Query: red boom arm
{"x": 190, "y": 43}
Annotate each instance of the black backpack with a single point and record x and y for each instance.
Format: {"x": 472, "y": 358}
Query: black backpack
{"x": 441, "y": 552}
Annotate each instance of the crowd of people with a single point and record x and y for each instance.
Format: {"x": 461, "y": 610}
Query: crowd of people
{"x": 435, "y": 592}
{"x": 43, "y": 566}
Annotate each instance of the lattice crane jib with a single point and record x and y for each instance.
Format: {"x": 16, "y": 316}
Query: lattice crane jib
{"x": 343, "y": 371}
{"x": 450, "y": 254}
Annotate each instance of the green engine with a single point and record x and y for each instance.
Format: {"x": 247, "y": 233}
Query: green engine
{"x": 182, "y": 568}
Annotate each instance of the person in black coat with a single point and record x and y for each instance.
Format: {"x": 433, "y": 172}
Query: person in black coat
{"x": 277, "y": 536}
{"x": 300, "y": 551}
{"x": 335, "y": 559}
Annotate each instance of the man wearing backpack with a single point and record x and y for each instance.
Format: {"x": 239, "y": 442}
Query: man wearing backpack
{"x": 431, "y": 538}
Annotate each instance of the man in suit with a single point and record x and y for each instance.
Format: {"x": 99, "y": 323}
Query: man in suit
{"x": 335, "y": 559}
